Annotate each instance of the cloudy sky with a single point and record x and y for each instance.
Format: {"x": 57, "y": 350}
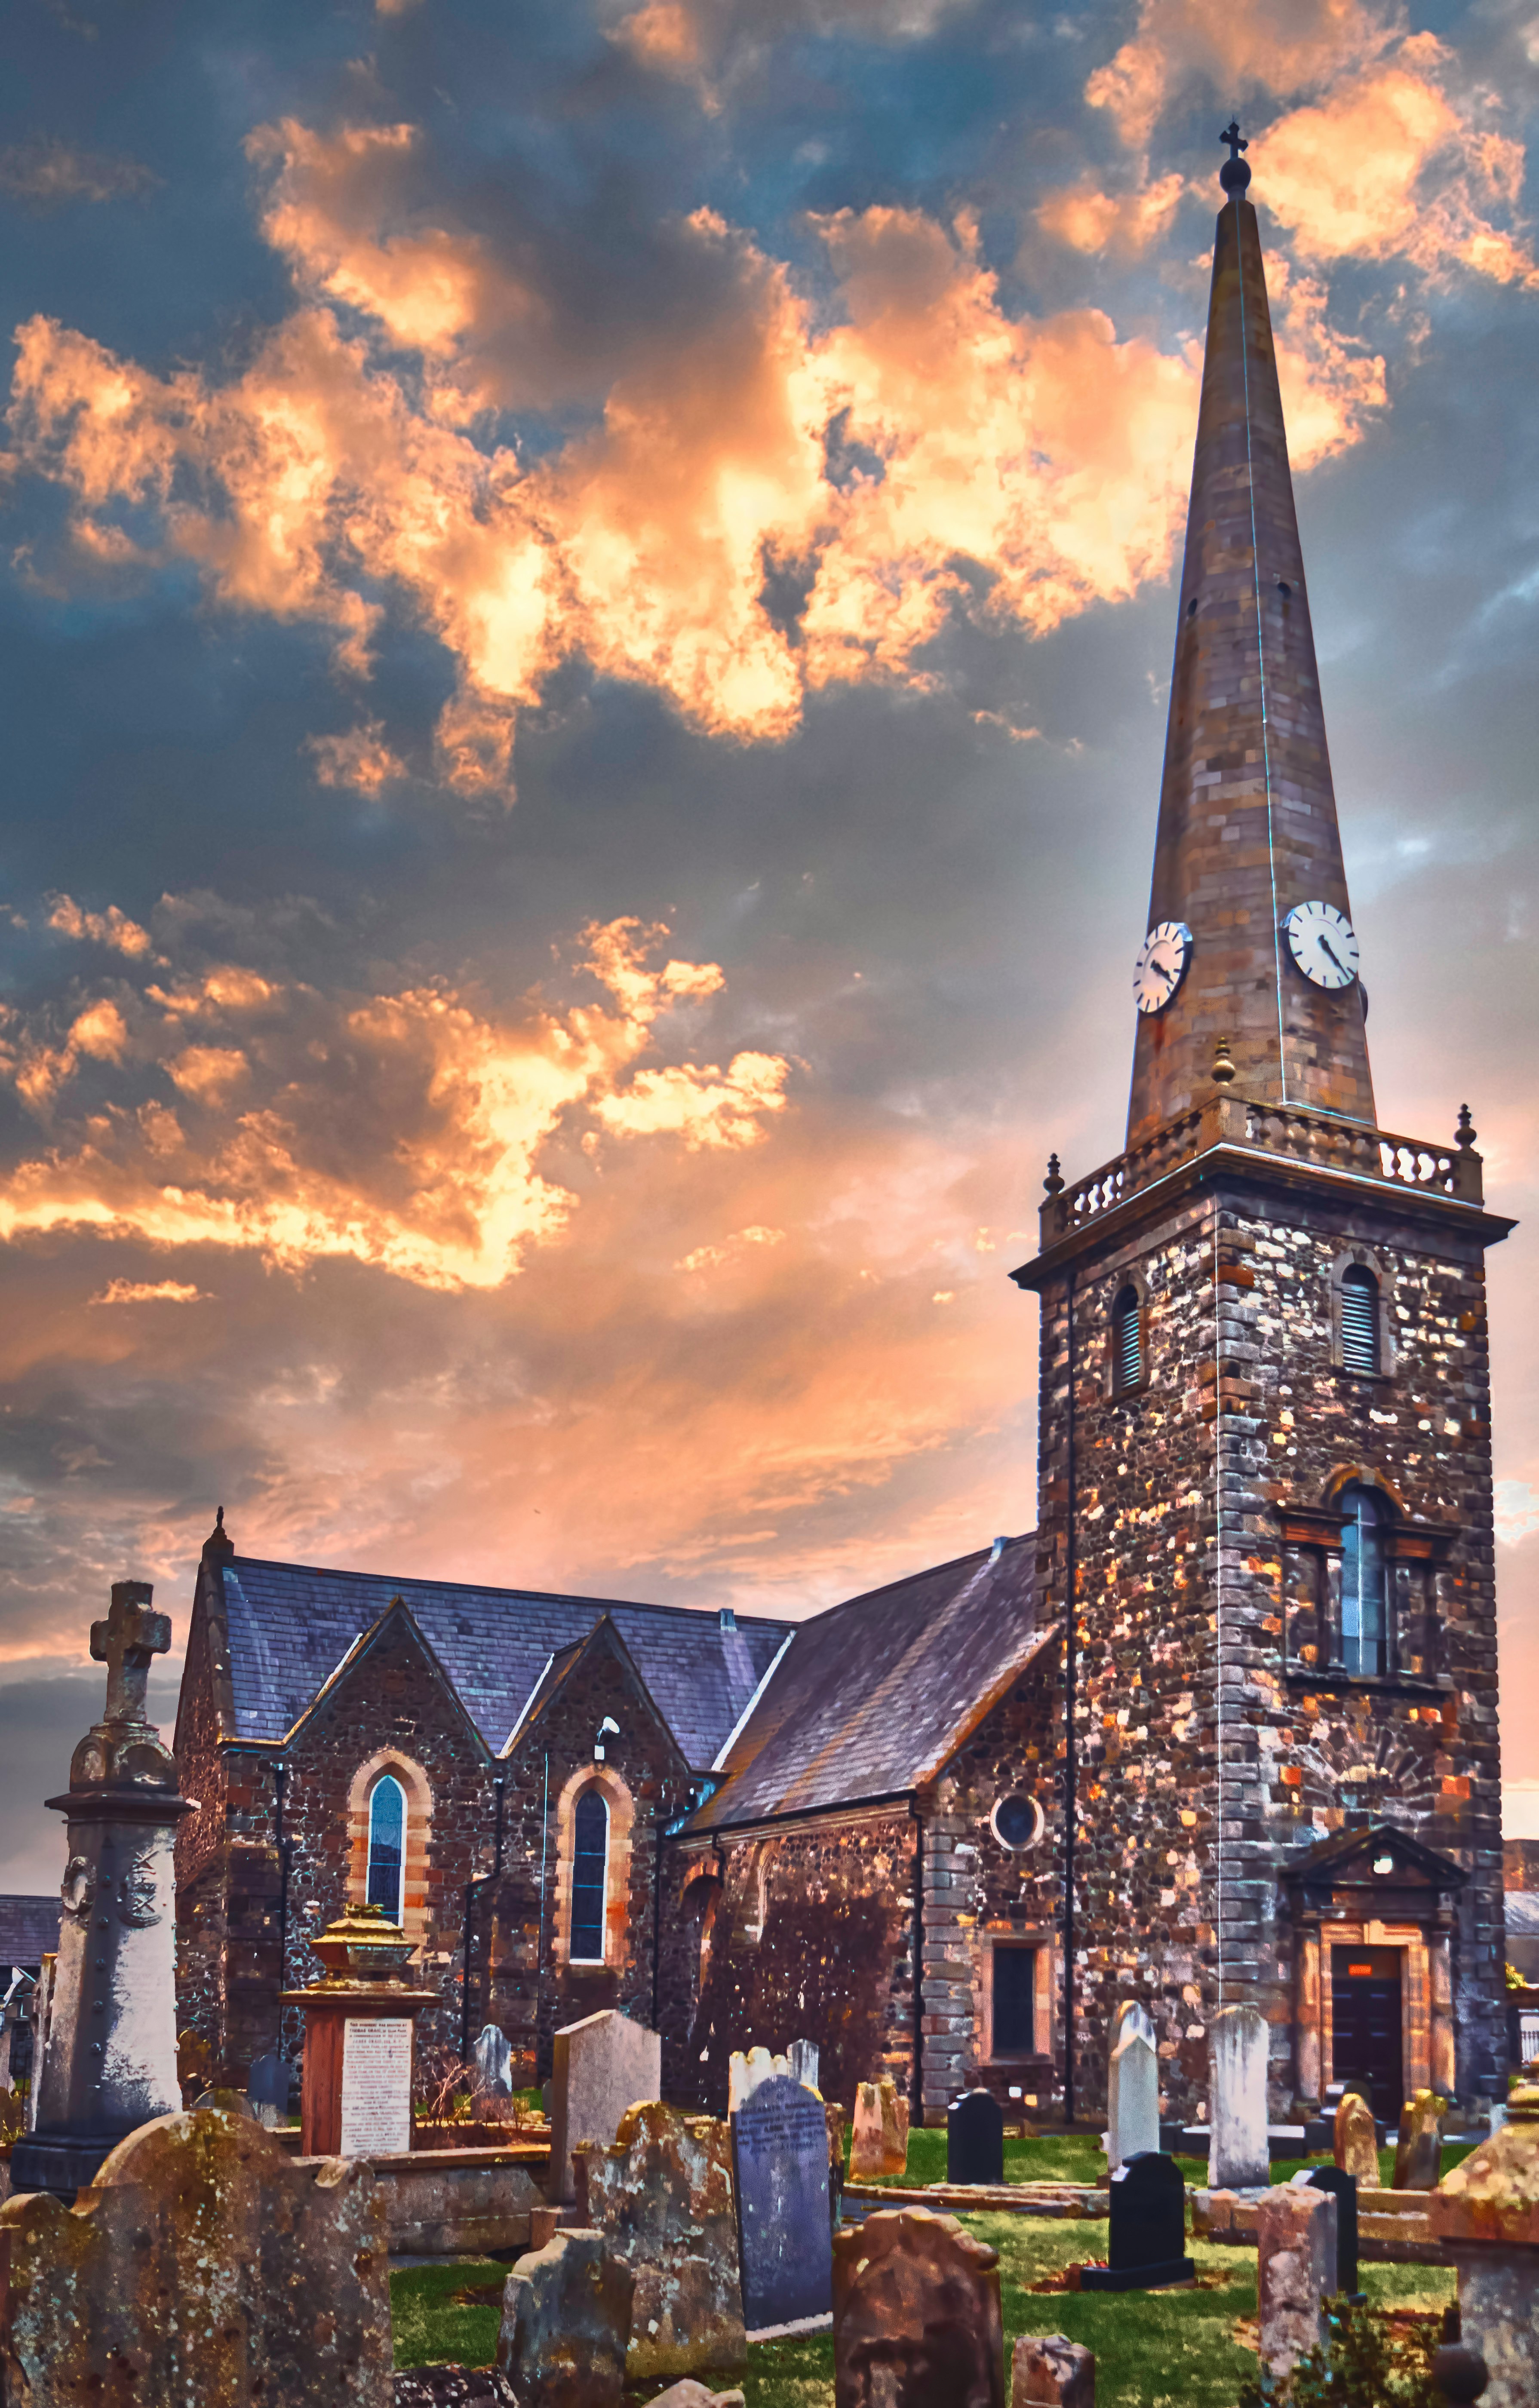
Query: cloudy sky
{"x": 586, "y": 616}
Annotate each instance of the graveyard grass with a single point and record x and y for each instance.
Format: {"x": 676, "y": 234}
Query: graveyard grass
{"x": 1154, "y": 2349}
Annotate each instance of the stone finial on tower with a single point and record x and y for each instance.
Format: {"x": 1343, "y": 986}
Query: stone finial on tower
{"x": 1234, "y": 175}
{"x": 1466, "y": 1134}
{"x": 219, "y": 1542}
{"x": 1223, "y": 1064}
{"x": 1054, "y": 1181}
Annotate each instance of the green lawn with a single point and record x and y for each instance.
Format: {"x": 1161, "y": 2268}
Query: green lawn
{"x": 1154, "y": 2349}
{"x": 1077, "y": 2158}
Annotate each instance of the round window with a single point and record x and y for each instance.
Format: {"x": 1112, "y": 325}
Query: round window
{"x": 1017, "y": 1823}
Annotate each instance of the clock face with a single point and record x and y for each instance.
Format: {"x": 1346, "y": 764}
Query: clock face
{"x": 1161, "y": 964}
{"x": 1323, "y": 943}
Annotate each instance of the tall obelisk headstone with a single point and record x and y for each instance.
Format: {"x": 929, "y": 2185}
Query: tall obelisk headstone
{"x": 110, "y": 2064}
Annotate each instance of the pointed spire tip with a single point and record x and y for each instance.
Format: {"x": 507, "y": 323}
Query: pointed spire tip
{"x": 1234, "y": 175}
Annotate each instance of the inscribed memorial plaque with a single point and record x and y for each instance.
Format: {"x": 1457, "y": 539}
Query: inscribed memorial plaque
{"x": 376, "y": 2087}
{"x": 780, "y": 2156}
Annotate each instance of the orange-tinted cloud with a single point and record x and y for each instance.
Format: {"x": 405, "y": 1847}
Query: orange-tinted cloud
{"x": 454, "y": 1198}
{"x": 1273, "y": 46}
{"x": 361, "y": 759}
{"x": 1331, "y": 382}
{"x": 1122, "y": 223}
{"x": 122, "y": 1291}
{"x": 1390, "y": 165}
{"x": 110, "y": 928}
{"x": 696, "y": 40}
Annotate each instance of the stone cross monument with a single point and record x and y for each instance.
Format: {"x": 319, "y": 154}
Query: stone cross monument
{"x": 110, "y": 2064}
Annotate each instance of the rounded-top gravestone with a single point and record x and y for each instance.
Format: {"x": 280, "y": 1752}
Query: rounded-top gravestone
{"x": 975, "y": 2139}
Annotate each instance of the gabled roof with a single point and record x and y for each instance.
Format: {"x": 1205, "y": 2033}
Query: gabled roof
{"x": 1522, "y": 1907}
{"x": 605, "y": 1637}
{"x": 290, "y": 1625}
{"x": 875, "y": 1695}
{"x": 29, "y": 1929}
{"x": 1346, "y": 1860}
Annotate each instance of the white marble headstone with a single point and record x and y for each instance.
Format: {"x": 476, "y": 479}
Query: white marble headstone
{"x": 495, "y": 2062}
{"x": 1239, "y": 2157}
{"x": 1135, "y": 2124}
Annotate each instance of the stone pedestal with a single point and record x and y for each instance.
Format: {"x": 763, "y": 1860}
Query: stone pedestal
{"x": 357, "y": 2094}
{"x": 110, "y": 2060}
{"x": 1487, "y": 2212}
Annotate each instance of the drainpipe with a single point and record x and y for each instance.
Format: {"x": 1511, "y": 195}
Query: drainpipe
{"x": 1070, "y": 1758}
{"x": 280, "y": 1785}
{"x": 916, "y": 2082}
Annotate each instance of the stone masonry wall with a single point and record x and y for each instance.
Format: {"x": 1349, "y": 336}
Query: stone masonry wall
{"x": 1239, "y": 1370}
{"x": 792, "y": 1933}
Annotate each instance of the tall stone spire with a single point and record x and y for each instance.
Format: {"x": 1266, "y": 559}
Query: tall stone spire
{"x": 1248, "y": 813}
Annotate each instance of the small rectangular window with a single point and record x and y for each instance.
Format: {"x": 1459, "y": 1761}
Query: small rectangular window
{"x": 1361, "y": 1324}
{"x": 1015, "y": 2002}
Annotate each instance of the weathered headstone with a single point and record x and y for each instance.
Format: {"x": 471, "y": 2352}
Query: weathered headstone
{"x": 780, "y": 2161}
{"x": 1134, "y": 2087}
{"x": 566, "y": 2323}
{"x": 661, "y": 2198}
{"x": 690, "y": 2394}
{"x": 1239, "y": 2156}
{"x": 1486, "y": 2213}
{"x": 1131, "y": 2017}
{"x": 203, "y": 2265}
{"x": 269, "y": 2086}
{"x": 602, "y": 2065}
{"x": 1146, "y": 2244}
{"x": 745, "y": 2072}
{"x": 110, "y": 2060}
{"x": 1419, "y": 2151}
{"x": 801, "y": 2062}
{"x": 454, "y": 2386}
{"x": 975, "y": 2139}
{"x": 916, "y": 2315}
{"x": 1049, "y": 2370}
{"x": 1357, "y": 2141}
{"x": 493, "y": 2062}
{"x": 1296, "y": 2247}
{"x": 879, "y": 2144}
{"x": 1343, "y": 2188}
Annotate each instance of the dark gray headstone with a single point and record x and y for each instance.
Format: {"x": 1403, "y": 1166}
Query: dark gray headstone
{"x": 975, "y": 2139}
{"x": 267, "y": 2084}
{"x": 1148, "y": 2247}
{"x": 780, "y": 2163}
{"x": 1342, "y": 2187}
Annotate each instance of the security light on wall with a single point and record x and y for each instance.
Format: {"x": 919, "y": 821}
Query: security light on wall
{"x": 607, "y": 1728}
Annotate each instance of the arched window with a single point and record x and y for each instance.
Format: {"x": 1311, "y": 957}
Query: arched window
{"x": 387, "y": 1845}
{"x": 1364, "y": 1617}
{"x": 590, "y": 1871}
{"x": 1126, "y": 1342}
{"x": 1359, "y": 1321}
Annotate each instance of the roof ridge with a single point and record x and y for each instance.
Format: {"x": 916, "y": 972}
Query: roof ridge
{"x": 484, "y": 1589}
{"x": 927, "y": 1571}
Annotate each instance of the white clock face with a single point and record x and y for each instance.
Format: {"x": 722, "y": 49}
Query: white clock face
{"x": 1323, "y": 943}
{"x": 1161, "y": 964}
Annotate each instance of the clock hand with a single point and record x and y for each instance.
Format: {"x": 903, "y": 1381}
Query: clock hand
{"x": 1327, "y": 951}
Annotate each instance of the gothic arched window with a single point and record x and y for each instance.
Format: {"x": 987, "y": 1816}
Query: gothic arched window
{"x": 1364, "y": 1603}
{"x": 1126, "y": 1342}
{"x": 590, "y": 1876}
{"x": 387, "y": 1845}
{"x": 1359, "y": 1322}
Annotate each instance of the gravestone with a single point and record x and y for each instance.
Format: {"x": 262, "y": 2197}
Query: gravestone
{"x": 975, "y": 2139}
{"x": 780, "y": 2162}
{"x": 109, "y": 2062}
{"x": 1419, "y": 2151}
{"x": 1486, "y": 2214}
{"x": 661, "y": 2198}
{"x": 1147, "y": 2248}
{"x": 744, "y": 2072}
{"x": 1239, "y": 2155}
{"x": 801, "y": 2062}
{"x": 355, "y": 2098}
{"x": 269, "y": 2088}
{"x": 1049, "y": 2370}
{"x": 1343, "y": 2188}
{"x": 202, "y": 2264}
{"x": 566, "y": 2323}
{"x": 494, "y": 2063}
{"x": 1296, "y": 2248}
{"x": 602, "y": 2065}
{"x": 879, "y": 2144}
{"x": 1131, "y": 2017}
{"x": 1134, "y": 2088}
{"x": 916, "y": 2315}
{"x": 1356, "y": 2140}
{"x": 454, "y": 2386}
{"x": 690, "y": 2394}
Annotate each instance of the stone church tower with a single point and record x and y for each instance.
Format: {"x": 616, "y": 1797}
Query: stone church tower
{"x": 1265, "y": 1465}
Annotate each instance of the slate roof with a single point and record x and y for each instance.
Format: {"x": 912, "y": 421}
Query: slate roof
{"x": 290, "y": 1625}
{"x": 874, "y": 1696}
{"x": 29, "y": 1929}
{"x": 1522, "y": 1907}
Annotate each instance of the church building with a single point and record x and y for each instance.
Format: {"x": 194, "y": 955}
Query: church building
{"x": 1222, "y": 1730}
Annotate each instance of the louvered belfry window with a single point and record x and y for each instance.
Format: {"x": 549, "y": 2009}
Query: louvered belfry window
{"x": 1126, "y": 1342}
{"x": 1359, "y": 1321}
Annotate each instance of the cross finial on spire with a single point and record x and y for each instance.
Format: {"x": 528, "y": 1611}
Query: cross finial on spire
{"x": 1234, "y": 175}
{"x": 125, "y": 1642}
